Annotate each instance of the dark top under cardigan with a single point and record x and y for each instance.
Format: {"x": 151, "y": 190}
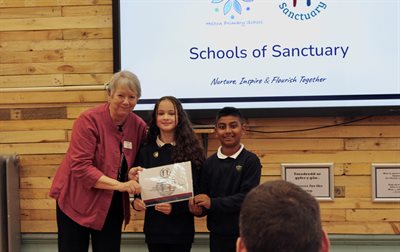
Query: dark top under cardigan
{"x": 178, "y": 226}
{"x": 226, "y": 182}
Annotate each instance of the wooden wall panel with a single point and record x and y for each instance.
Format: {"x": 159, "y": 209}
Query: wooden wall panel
{"x": 30, "y": 35}
{"x": 372, "y": 144}
{"x": 53, "y": 97}
{"x": 37, "y": 193}
{"x": 287, "y": 144}
{"x": 329, "y": 156}
{"x": 99, "y": 33}
{"x": 79, "y": 11}
{"x": 55, "y": 67}
{"x": 32, "y": 57}
{"x": 390, "y": 215}
{"x": 362, "y": 227}
{"x": 45, "y": 159}
{"x": 28, "y": 171}
{"x": 332, "y": 132}
{"x": 88, "y": 55}
{"x": 35, "y": 182}
{"x": 86, "y": 79}
{"x": 34, "y": 148}
{"x": 52, "y": 51}
{"x": 30, "y": 12}
{"x": 74, "y": 112}
{"x": 47, "y": 23}
{"x": 38, "y": 204}
{"x": 38, "y": 226}
{"x": 38, "y": 214}
{"x": 37, "y": 3}
{"x": 56, "y": 44}
{"x": 32, "y": 136}
{"x": 27, "y": 125}
{"x": 356, "y": 203}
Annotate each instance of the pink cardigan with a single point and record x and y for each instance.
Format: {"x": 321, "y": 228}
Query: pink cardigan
{"x": 94, "y": 151}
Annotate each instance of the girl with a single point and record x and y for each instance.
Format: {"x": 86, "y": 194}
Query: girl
{"x": 170, "y": 139}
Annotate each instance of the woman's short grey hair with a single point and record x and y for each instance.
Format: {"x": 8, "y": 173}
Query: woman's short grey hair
{"x": 126, "y": 79}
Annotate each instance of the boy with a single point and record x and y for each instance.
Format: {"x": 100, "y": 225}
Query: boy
{"x": 226, "y": 177}
{"x": 273, "y": 219}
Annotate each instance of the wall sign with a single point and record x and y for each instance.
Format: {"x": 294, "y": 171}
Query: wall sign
{"x": 315, "y": 178}
{"x": 385, "y": 182}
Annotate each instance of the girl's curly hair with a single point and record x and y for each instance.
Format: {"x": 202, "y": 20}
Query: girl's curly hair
{"x": 188, "y": 146}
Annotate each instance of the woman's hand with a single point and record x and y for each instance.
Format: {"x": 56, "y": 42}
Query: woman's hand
{"x": 131, "y": 186}
{"x": 107, "y": 183}
{"x": 133, "y": 173}
{"x": 164, "y": 208}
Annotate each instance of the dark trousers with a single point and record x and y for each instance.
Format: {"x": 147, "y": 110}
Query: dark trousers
{"x": 169, "y": 247}
{"x": 222, "y": 243}
{"x": 73, "y": 237}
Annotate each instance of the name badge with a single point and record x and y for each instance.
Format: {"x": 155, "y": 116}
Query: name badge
{"x": 127, "y": 145}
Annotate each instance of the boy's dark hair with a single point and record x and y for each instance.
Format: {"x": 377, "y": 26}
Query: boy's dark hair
{"x": 229, "y": 111}
{"x": 280, "y": 216}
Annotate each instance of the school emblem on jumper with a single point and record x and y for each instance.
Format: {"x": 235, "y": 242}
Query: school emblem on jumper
{"x": 239, "y": 168}
{"x": 155, "y": 154}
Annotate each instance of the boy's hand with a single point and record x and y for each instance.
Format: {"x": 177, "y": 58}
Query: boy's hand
{"x": 194, "y": 209}
{"x": 202, "y": 200}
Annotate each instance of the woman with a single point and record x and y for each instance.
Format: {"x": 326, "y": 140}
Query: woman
{"x": 92, "y": 185}
{"x": 170, "y": 139}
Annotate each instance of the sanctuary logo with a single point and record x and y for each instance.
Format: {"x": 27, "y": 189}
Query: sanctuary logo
{"x": 302, "y": 10}
{"x": 295, "y": 3}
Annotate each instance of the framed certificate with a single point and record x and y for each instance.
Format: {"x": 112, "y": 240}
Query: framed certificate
{"x": 315, "y": 178}
{"x": 166, "y": 184}
{"x": 385, "y": 182}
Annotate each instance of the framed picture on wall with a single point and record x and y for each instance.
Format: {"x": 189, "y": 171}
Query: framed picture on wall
{"x": 385, "y": 182}
{"x": 315, "y": 178}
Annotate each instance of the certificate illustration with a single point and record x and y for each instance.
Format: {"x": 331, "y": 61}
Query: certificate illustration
{"x": 167, "y": 183}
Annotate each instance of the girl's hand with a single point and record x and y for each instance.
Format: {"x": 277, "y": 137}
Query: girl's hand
{"x": 164, "y": 208}
{"x": 133, "y": 173}
{"x": 138, "y": 204}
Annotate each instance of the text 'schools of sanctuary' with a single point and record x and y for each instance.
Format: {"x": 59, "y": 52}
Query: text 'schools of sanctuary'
{"x": 265, "y": 51}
